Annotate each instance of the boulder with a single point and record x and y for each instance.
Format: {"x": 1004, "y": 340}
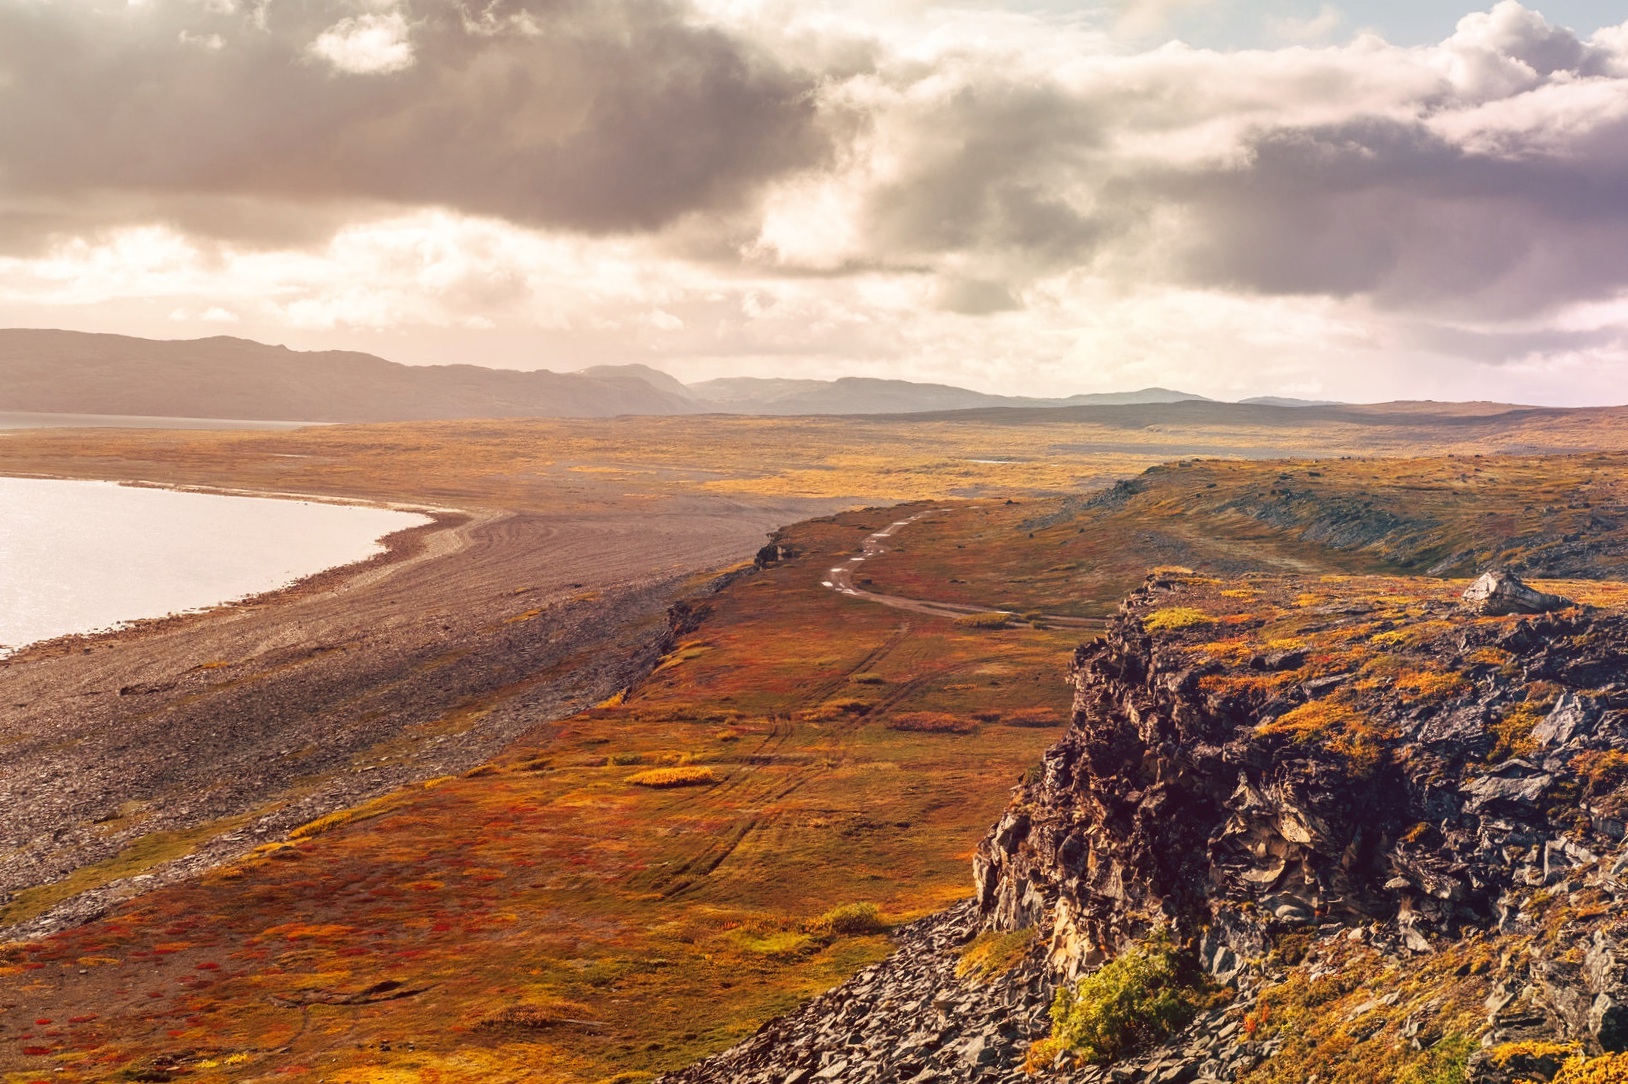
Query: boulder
{"x": 1499, "y": 592}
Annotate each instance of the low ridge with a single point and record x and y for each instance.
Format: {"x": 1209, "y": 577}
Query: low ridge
{"x": 1298, "y": 829}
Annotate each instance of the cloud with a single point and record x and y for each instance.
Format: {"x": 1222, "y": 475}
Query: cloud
{"x": 369, "y": 44}
{"x": 1484, "y": 177}
{"x": 1011, "y": 200}
{"x": 1143, "y": 17}
{"x": 590, "y": 115}
{"x": 1309, "y": 30}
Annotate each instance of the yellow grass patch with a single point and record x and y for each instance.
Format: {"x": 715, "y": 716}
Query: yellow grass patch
{"x": 688, "y": 776}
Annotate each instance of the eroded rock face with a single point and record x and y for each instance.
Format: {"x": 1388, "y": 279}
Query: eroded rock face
{"x": 1499, "y": 593}
{"x": 1173, "y": 800}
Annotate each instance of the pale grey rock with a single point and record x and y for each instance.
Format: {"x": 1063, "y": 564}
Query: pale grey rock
{"x": 1498, "y": 593}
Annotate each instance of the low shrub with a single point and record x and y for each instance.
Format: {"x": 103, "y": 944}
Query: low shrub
{"x": 537, "y": 1017}
{"x": 1606, "y": 1069}
{"x": 991, "y": 620}
{"x": 930, "y": 722}
{"x": 867, "y": 679}
{"x": 1147, "y": 993}
{"x": 1429, "y": 686}
{"x": 1336, "y": 727}
{"x": 1175, "y": 617}
{"x": 1528, "y": 1059}
{"x": 1605, "y": 770}
{"x": 1444, "y": 1063}
{"x": 689, "y": 776}
{"x": 850, "y": 920}
{"x": 1514, "y": 731}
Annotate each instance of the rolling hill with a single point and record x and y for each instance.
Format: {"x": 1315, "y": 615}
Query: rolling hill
{"x": 69, "y": 372}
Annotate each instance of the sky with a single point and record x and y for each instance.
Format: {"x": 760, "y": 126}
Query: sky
{"x": 1275, "y": 197}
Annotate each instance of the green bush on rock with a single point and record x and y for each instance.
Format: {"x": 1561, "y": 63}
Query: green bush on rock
{"x": 1147, "y": 993}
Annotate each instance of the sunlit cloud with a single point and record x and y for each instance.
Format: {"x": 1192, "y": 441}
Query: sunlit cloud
{"x": 369, "y": 44}
{"x": 1013, "y": 200}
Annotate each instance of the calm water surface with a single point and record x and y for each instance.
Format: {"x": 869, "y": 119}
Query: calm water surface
{"x": 31, "y": 420}
{"x": 83, "y": 556}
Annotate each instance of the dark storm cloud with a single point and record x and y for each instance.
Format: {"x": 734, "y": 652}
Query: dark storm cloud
{"x": 593, "y": 115}
{"x": 992, "y": 166}
{"x": 1486, "y": 177}
{"x": 1395, "y": 210}
{"x": 1499, "y": 346}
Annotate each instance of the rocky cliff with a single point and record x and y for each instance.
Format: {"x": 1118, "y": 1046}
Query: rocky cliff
{"x": 1386, "y": 828}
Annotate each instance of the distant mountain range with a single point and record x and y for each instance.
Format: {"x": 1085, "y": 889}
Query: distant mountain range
{"x": 70, "y": 372}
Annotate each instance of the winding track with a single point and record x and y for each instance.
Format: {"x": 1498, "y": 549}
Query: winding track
{"x": 841, "y": 580}
{"x": 236, "y": 725}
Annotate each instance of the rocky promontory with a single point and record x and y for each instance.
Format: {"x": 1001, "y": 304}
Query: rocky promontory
{"x": 1370, "y": 833}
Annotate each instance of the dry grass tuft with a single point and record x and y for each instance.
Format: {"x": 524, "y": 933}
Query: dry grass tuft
{"x": 850, "y": 920}
{"x": 538, "y": 1017}
{"x": 1032, "y": 717}
{"x": 994, "y": 953}
{"x": 689, "y": 776}
{"x": 931, "y": 722}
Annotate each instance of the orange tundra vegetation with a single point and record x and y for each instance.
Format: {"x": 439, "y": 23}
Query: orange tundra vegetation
{"x": 547, "y": 918}
{"x": 541, "y": 918}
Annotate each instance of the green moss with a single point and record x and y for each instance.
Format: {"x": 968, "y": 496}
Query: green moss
{"x": 1175, "y": 617}
{"x": 1146, "y": 994}
{"x": 994, "y": 952}
{"x": 1445, "y": 1063}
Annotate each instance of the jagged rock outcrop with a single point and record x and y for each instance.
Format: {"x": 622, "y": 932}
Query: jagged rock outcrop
{"x": 911, "y": 1017}
{"x": 1181, "y": 798}
{"x": 1499, "y": 593}
{"x": 1402, "y": 821}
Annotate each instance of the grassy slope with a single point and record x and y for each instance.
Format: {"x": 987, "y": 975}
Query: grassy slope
{"x": 1556, "y": 515}
{"x": 618, "y": 927}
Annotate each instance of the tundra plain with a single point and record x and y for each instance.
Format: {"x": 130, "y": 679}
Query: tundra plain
{"x": 524, "y": 818}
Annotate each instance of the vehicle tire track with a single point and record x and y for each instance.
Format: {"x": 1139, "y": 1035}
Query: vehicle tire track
{"x": 840, "y": 578}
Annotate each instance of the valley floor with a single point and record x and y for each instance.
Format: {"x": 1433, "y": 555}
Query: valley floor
{"x": 148, "y": 754}
{"x": 552, "y": 915}
{"x": 490, "y": 853}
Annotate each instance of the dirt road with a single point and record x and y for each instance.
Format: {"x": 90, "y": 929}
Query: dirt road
{"x": 841, "y": 580}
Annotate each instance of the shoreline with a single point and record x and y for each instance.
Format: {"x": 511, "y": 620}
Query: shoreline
{"x": 396, "y": 547}
{"x": 221, "y": 730}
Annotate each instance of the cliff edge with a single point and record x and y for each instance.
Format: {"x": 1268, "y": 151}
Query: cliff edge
{"x": 1336, "y": 829}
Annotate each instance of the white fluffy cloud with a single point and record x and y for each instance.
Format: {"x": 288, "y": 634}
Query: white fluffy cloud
{"x": 368, "y": 44}
{"x": 1009, "y": 201}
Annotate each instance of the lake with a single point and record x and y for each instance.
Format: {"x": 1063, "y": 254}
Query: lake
{"x": 32, "y": 420}
{"x": 84, "y": 556}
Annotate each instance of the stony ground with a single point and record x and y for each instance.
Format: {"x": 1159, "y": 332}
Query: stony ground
{"x": 140, "y": 757}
